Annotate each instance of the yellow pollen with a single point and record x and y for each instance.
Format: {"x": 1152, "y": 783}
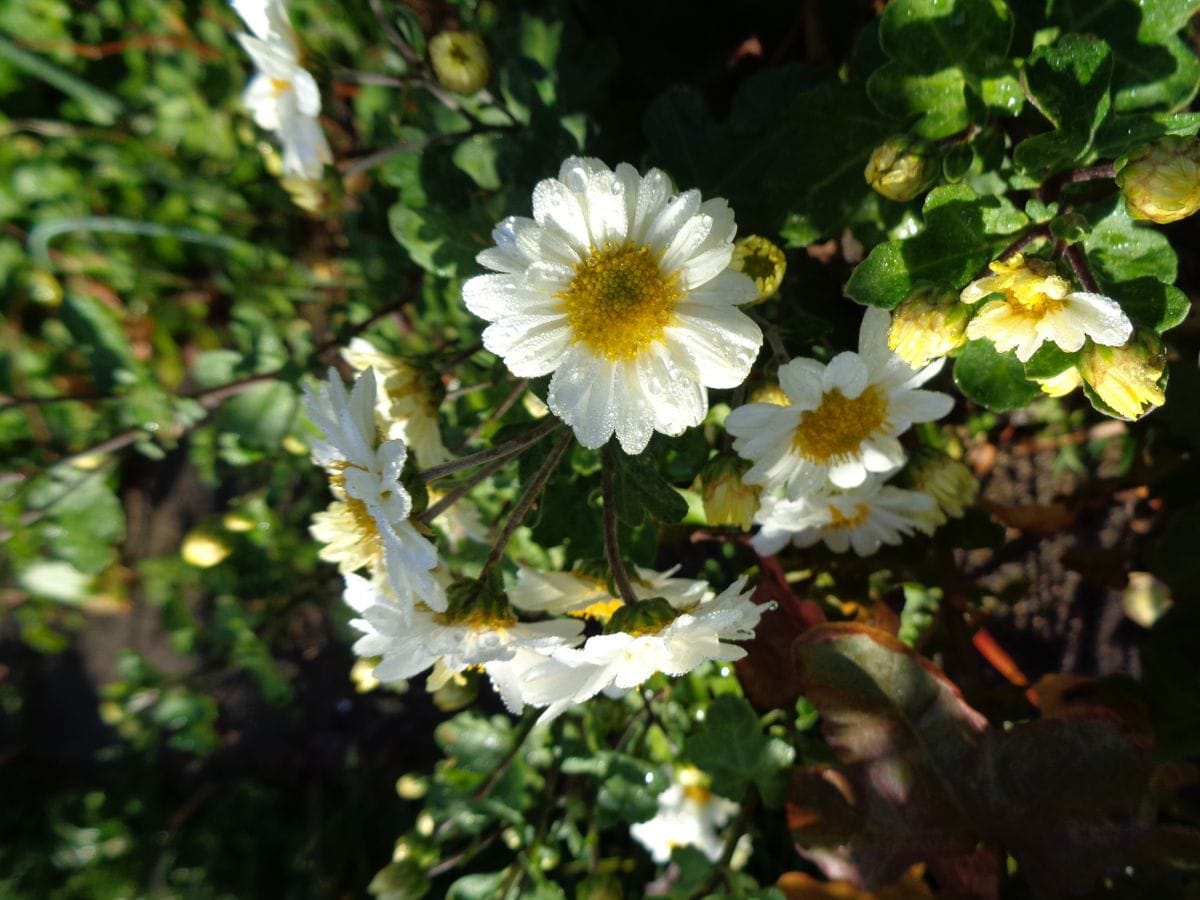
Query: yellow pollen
{"x": 697, "y": 794}
{"x": 839, "y": 520}
{"x": 601, "y": 610}
{"x": 280, "y": 85}
{"x": 840, "y": 424}
{"x": 619, "y": 301}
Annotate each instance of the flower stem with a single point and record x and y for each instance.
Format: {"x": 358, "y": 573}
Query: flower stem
{"x": 463, "y": 489}
{"x": 612, "y": 547}
{"x": 1033, "y": 234}
{"x": 532, "y": 491}
{"x": 1079, "y": 264}
{"x": 500, "y": 451}
{"x": 1093, "y": 173}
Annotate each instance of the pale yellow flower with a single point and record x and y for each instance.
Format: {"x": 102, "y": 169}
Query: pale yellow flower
{"x": 1061, "y": 384}
{"x": 1035, "y": 305}
{"x": 762, "y": 262}
{"x": 901, "y": 167}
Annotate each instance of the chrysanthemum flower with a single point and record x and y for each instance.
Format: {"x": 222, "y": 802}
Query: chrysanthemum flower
{"x": 368, "y": 525}
{"x": 1128, "y": 379}
{"x": 583, "y": 592}
{"x": 689, "y": 815}
{"x": 405, "y": 402}
{"x": 623, "y": 290}
{"x": 864, "y": 519}
{"x": 842, "y": 419}
{"x": 1037, "y": 305}
{"x": 282, "y": 96}
{"x": 409, "y": 644}
{"x": 668, "y": 641}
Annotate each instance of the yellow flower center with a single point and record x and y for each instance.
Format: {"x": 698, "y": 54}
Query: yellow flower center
{"x": 280, "y": 86}
{"x": 619, "y": 301}
{"x": 697, "y": 794}
{"x": 840, "y": 424}
{"x": 838, "y": 520}
{"x": 601, "y": 610}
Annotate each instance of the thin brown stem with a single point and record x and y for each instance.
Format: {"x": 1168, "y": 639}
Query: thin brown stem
{"x": 500, "y": 451}
{"x": 612, "y": 546}
{"x": 463, "y": 489}
{"x": 528, "y": 497}
{"x": 505, "y": 405}
{"x": 1078, "y": 263}
{"x": 1037, "y": 232}
{"x": 1093, "y": 173}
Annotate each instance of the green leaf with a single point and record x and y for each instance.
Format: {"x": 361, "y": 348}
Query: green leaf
{"x": 731, "y": 747}
{"x": 1154, "y": 68}
{"x": 963, "y": 231}
{"x": 1048, "y": 361}
{"x": 940, "y": 51}
{"x": 260, "y": 416}
{"x": 98, "y": 106}
{"x": 436, "y": 241}
{"x": 995, "y": 380}
{"x": 640, "y": 489}
{"x": 98, "y": 333}
{"x": 1120, "y": 249}
{"x": 1152, "y": 304}
{"x": 1068, "y": 82}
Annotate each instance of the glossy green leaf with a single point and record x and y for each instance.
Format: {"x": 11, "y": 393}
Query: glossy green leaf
{"x": 1068, "y": 82}
{"x": 963, "y": 231}
{"x": 940, "y": 50}
{"x": 730, "y": 746}
{"x": 640, "y": 489}
{"x": 995, "y": 380}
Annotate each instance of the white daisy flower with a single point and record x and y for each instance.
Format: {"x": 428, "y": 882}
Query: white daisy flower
{"x": 282, "y": 96}
{"x": 623, "y": 289}
{"x": 583, "y": 592}
{"x": 842, "y": 419}
{"x": 404, "y": 404}
{"x": 1037, "y": 305}
{"x": 863, "y": 518}
{"x": 619, "y": 661}
{"x": 408, "y": 644}
{"x": 689, "y": 815}
{"x": 369, "y": 522}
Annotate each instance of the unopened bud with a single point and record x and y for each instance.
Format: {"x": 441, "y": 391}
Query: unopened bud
{"x": 1128, "y": 379}
{"x": 460, "y": 61}
{"x": 949, "y": 482}
{"x": 929, "y": 323}
{"x": 762, "y": 262}
{"x": 728, "y": 500}
{"x": 902, "y": 167}
{"x": 1161, "y": 182}
{"x": 203, "y": 550}
{"x": 1061, "y": 384}
{"x": 600, "y": 886}
{"x": 770, "y": 393}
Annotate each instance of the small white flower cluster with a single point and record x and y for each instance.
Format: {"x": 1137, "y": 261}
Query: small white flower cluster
{"x": 411, "y": 622}
{"x": 823, "y": 457}
{"x": 689, "y": 815}
{"x": 282, "y": 96}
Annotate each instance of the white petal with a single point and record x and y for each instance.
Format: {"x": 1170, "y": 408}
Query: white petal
{"x": 668, "y": 222}
{"x": 557, "y": 208}
{"x": 722, "y": 343}
{"x": 727, "y": 288}
{"x": 846, "y": 373}
{"x": 1103, "y": 319}
{"x": 848, "y": 473}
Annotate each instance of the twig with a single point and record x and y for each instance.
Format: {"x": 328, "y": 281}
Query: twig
{"x": 736, "y": 830}
{"x": 526, "y": 501}
{"x": 1035, "y": 233}
{"x": 612, "y": 547}
{"x": 1093, "y": 173}
{"x": 505, "y": 405}
{"x": 1079, "y": 264}
{"x": 500, "y": 451}
{"x": 463, "y": 489}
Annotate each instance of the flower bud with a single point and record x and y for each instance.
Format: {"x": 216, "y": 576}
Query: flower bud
{"x": 728, "y": 500}
{"x": 460, "y": 61}
{"x": 1161, "y": 182}
{"x": 929, "y": 323}
{"x": 644, "y": 617}
{"x": 1061, "y": 384}
{"x": 770, "y": 393}
{"x": 1128, "y": 379}
{"x": 203, "y": 550}
{"x": 949, "y": 482}
{"x": 762, "y": 262}
{"x": 901, "y": 167}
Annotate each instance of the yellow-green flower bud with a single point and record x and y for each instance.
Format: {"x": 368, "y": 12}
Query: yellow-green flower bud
{"x": 770, "y": 393}
{"x": 204, "y": 550}
{"x": 762, "y": 262}
{"x": 728, "y": 500}
{"x": 1161, "y": 182}
{"x": 460, "y": 61}
{"x": 949, "y": 482}
{"x": 902, "y": 167}
{"x": 1061, "y": 384}
{"x": 929, "y": 323}
{"x": 1128, "y": 379}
